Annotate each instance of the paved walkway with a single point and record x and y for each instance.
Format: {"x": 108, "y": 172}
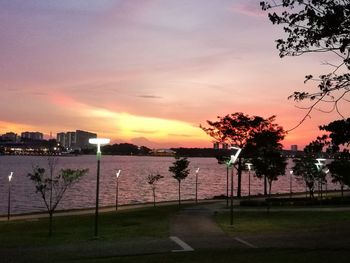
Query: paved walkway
{"x": 196, "y": 226}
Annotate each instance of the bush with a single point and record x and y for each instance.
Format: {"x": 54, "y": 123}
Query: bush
{"x": 302, "y": 201}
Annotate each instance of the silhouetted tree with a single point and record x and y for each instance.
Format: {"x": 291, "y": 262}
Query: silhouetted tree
{"x": 180, "y": 171}
{"x": 52, "y": 187}
{"x": 266, "y": 155}
{"x": 237, "y": 129}
{"x": 339, "y": 170}
{"x": 152, "y": 180}
{"x": 316, "y": 26}
{"x": 306, "y": 170}
{"x": 339, "y": 133}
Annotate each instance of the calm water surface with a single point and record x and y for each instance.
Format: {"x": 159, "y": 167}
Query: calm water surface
{"x": 133, "y": 186}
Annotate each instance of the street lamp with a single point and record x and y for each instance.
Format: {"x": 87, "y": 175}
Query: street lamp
{"x": 117, "y": 174}
{"x": 197, "y": 171}
{"x": 319, "y": 165}
{"x": 99, "y": 142}
{"x": 327, "y": 171}
{"x": 290, "y": 183}
{"x": 249, "y": 166}
{"x": 232, "y": 161}
{"x": 227, "y": 163}
{"x": 9, "y": 197}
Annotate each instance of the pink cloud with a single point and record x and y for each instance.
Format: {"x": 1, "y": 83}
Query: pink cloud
{"x": 249, "y": 8}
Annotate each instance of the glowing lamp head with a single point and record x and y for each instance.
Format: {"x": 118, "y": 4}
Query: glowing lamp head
{"x": 235, "y": 156}
{"x": 197, "y": 170}
{"x": 319, "y": 166}
{"x": 320, "y": 160}
{"x": 10, "y": 176}
{"x": 117, "y": 174}
{"x": 249, "y": 166}
{"x": 291, "y": 172}
{"x": 99, "y": 142}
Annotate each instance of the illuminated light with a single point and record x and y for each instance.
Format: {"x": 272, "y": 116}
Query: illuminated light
{"x": 99, "y": 142}
{"x": 319, "y": 166}
{"x": 320, "y": 160}
{"x": 10, "y": 176}
{"x": 291, "y": 172}
{"x": 235, "y": 156}
{"x": 118, "y": 173}
{"x": 197, "y": 170}
{"x": 249, "y": 165}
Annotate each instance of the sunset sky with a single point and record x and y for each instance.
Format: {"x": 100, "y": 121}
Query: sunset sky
{"x": 147, "y": 71}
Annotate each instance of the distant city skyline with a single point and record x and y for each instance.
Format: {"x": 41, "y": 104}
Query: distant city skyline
{"x": 148, "y": 72}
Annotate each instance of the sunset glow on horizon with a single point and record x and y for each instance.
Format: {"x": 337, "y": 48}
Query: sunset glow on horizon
{"x": 148, "y": 72}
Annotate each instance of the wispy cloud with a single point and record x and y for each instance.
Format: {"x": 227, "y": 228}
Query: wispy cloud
{"x": 249, "y": 8}
{"x": 150, "y": 97}
{"x": 180, "y": 135}
{"x": 145, "y": 131}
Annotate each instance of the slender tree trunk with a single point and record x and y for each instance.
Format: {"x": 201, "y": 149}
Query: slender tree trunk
{"x": 179, "y": 193}
{"x": 50, "y": 223}
{"x": 154, "y": 197}
{"x": 268, "y": 200}
{"x": 342, "y": 190}
{"x": 265, "y": 186}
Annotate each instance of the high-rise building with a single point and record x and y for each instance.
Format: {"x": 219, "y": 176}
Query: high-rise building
{"x": 61, "y": 138}
{"x": 32, "y": 135}
{"x": 82, "y": 139}
{"x": 75, "y": 140}
{"x": 294, "y": 148}
{"x": 9, "y": 136}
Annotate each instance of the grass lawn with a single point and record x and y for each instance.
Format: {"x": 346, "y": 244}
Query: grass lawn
{"x": 237, "y": 256}
{"x": 148, "y": 222}
{"x": 263, "y": 222}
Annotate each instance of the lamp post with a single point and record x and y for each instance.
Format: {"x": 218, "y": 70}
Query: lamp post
{"x": 99, "y": 142}
{"x": 197, "y": 171}
{"x": 233, "y": 160}
{"x": 290, "y": 183}
{"x": 227, "y": 163}
{"x": 327, "y": 171}
{"x": 9, "y": 197}
{"x": 249, "y": 165}
{"x": 319, "y": 166}
{"x": 117, "y": 174}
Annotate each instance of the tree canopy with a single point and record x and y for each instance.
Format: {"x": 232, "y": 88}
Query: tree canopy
{"x": 339, "y": 132}
{"x": 239, "y": 129}
{"x": 320, "y": 26}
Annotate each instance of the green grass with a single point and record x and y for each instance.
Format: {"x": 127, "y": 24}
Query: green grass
{"x": 148, "y": 222}
{"x": 263, "y": 222}
{"x": 237, "y": 256}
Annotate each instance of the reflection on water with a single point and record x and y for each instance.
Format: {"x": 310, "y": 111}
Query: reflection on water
{"x": 133, "y": 186}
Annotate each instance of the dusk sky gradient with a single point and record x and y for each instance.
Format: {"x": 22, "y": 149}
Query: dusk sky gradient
{"x": 147, "y": 71}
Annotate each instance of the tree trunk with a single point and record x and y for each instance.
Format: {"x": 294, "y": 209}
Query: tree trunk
{"x": 179, "y": 193}
{"x": 342, "y": 190}
{"x": 270, "y": 186}
{"x": 154, "y": 197}
{"x": 265, "y": 186}
{"x": 50, "y": 223}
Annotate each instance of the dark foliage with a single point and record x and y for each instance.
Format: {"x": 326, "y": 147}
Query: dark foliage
{"x": 316, "y": 26}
